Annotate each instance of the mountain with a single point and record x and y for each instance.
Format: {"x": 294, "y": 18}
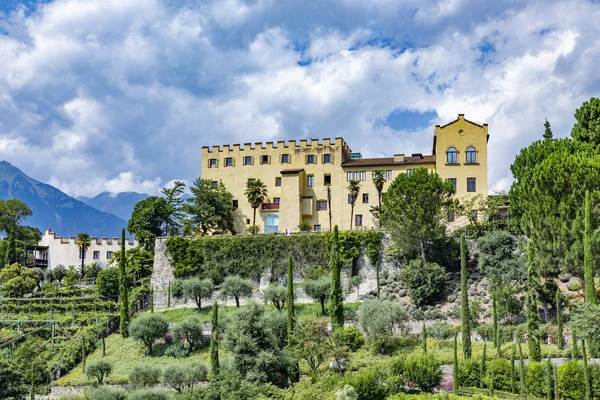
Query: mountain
{"x": 119, "y": 204}
{"x": 54, "y": 209}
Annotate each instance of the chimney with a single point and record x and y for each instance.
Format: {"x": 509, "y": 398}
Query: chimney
{"x": 461, "y": 116}
{"x": 398, "y": 158}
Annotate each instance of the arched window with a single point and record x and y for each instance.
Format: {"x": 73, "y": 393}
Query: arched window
{"x": 471, "y": 155}
{"x": 451, "y": 155}
{"x": 271, "y": 223}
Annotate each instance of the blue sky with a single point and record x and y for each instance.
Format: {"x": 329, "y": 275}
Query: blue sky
{"x": 122, "y": 94}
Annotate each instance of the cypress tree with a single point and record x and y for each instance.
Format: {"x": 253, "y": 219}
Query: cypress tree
{"x": 123, "y": 291}
{"x": 336, "y": 296}
{"x": 424, "y": 335}
{"x": 549, "y": 383}
{"x": 290, "y": 299}
{"x": 522, "y": 390}
{"x": 559, "y": 326}
{"x": 169, "y": 295}
{"x": 83, "y": 355}
{"x": 586, "y": 373}
{"x": 464, "y": 300}
{"x": 588, "y": 267}
{"x": 455, "y": 383}
{"x": 513, "y": 383}
{"x": 11, "y": 250}
{"x": 495, "y": 323}
{"x": 214, "y": 341}
{"x": 531, "y": 300}
{"x": 574, "y": 348}
{"x": 103, "y": 347}
{"x": 491, "y": 388}
{"x": 555, "y": 376}
{"x": 151, "y": 300}
{"x": 482, "y": 367}
{"x": 377, "y": 277}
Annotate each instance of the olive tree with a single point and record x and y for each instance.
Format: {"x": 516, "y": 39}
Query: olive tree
{"x": 318, "y": 289}
{"x": 197, "y": 289}
{"x": 148, "y": 328}
{"x": 190, "y": 331}
{"x": 236, "y": 287}
{"x": 98, "y": 370}
{"x": 275, "y": 294}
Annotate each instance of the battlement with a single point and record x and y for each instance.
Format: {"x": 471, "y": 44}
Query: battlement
{"x": 104, "y": 240}
{"x": 303, "y": 144}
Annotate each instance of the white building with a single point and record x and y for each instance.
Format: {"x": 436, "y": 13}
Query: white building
{"x": 53, "y": 250}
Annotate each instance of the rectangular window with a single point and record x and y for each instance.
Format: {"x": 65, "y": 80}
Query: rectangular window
{"x": 276, "y": 200}
{"x": 285, "y": 158}
{"x": 248, "y": 160}
{"x": 358, "y": 220}
{"x": 265, "y": 159}
{"x": 327, "y": 179}
{"x": 215, "y": 184}
{"x": 365, "y": 197}
{"x": 450, "y": 215}
{"x": 453, "y": 181}
{"x": 247, "y": 221}
{"x": 321, "y": 205}
{"x": 409, "y": 171}
{"x": 356, "y": 176}
{"x": 212, "y": 163}
{"x": 235, "y": 204}
{"x": 388, "y": 175}
{"x": 348, "y": 176}
{"x": 96, "y": 255}
{"x": 311, "y": 159}
{"x": 278, "y": 181}
{"x": 108, "y": 255}
{"x": 318, "y": 228}
{"x": 310, "y": 181}
{"x": 326, "y": 158}
{"x": 229, "y": 161}
{"x": 363, "y": 175}
{"x": 82, "y": 255}
{"x": 471, "y": 185}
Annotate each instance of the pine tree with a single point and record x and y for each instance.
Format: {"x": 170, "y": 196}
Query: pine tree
{"x": 455, "y": 383}
{"x": 559, "y": 326}
{"x": 547, "y": 131}
{"x": 290, "y": 300}
{"x": 588, "y": 266}
{"x": 123, "y": 290}
{"x": 531, "y": 300}
{"x": 464, "y": 300}
{"x": 482, "y": 366}
{"x": 522, "y": 388}
{"x": 424, "y": 336}
{"x": 586, "y": 373}
{"x": 214, "y": 341}
{"x": 336, "y": 297}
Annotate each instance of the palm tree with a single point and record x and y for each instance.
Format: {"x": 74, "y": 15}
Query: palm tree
{"x": 83, "y": 241}
{"x": 353, "y": 190}
{"x": 256, "y": 191}
{"x": 379, "y": 181}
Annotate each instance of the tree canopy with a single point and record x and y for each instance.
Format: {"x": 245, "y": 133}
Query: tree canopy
{"x": 210, "y": 208}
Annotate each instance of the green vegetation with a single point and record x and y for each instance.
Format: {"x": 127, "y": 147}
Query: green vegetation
{"x": 336, "y": 296}
{"x": 236, "y": 287}
{"x": 464, "y": 300}
{"x": 123, "y": 290}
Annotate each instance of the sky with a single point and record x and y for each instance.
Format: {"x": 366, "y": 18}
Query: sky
{"x": 120, "y": 95}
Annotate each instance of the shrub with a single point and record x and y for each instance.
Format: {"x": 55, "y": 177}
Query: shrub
{"x": 149, "y": 394}
{"x": 175, "y": 377}
{"x": 486, "y": 331}
{"x": 502, "y": 379}
{"x": 574, "y": 285}
{"x": 236, "y": 287}
{"x": 440, "y": 331}
{"x": 148, "y": 328}
{"x": 380, "y": 320}
{"x": 305, "y": 226}
{"x": 275, "y": 294}
{"x": 107, "y": 284}
{"x": 350, "y": 337}
{"x": 253, "y": 229}
{"x": 535, "y": 379}
{"x": 144, "y": 375}
{"x": 195, "y": 373}
{"x": 469, "y": 372}
{"x": 424, "y": 370}
{"x": 105, "y": 393}
{"x": 318, "y": 289}
{"x": 177, "y": 289}
{"x": 425, "y": 281}
{"x": 99, "y": 370}
{"x": 190, "y": 330}
{"x": 346, "y": 393}
{"x": 570, "y": 381}
{"x": 176, "y": 350}
{"x": 368, "y": 383}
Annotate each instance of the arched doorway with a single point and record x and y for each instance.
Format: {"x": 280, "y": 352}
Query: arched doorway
{"x": 271, "y": 223}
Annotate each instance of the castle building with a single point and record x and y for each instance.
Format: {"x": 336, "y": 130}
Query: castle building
{"x": 297, "y": 176}
{"x": 53, "y": 250}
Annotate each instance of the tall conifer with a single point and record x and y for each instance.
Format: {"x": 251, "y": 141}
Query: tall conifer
{"x": 482, "y": 366}
{"x": 455, "y": 382}
{"x": 291, "y": 320}
{"x": 559, "y": 325}
{"x": 123, "y": 290}
{"x": 424, "y": 336}
{"x": 531, "y": 300}
{"x": 464, "y": 300}
{"x": 522, "y": 389}
{"x": 588, "y": 262}
{"x": 336, "y": 296}
{"x": 495, "y": 322}
{"x": 586, "y": 373}
{"x": 214, "y": 341}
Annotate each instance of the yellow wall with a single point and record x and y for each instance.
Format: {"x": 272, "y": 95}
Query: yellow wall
{"x": 298, "y": 201}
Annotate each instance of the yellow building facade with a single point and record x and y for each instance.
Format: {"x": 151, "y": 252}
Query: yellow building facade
{"x": 297, "y": 175}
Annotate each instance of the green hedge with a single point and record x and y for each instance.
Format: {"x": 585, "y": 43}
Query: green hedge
{"x": 249, "y": 256}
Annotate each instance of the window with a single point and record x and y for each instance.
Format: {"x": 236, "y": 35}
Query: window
{"x": 474, "y": 215}
{"x": 453, "y": 181}
{"x": 310, "y": 181}
{"x": 250, "y": 180}
{"x": 229, "y": 161}
{"x": 388, "y": 175}
{"x": 348, "y": 176}
{"x": 247, "y": 221}
{"x": 285, "y": 158}
{"x": 81, "y": 255}
{"x": 265, "y": 159}
{"x": 247, "y": 160}
{"x": 358, "y": 220}
{"x": 409, "y": 171}
{"x": 212, "y": 163}
{"x": 363, "y": 175}
{"x": 108, "y": 255}
{"x": 327, "y": 179}
{"x": 318, "y": 228}
{"x": 278, "y": 181}
{"x": 96, "y": 255}
{"x": 276, "y": 200}
{"x": 365, "y": 197}
{"x": 215, "y": 184}
{"x": 349, "y": 198}
{"x": 321, "y": 205}
{"x": 451, "y": 156}
{"x": 471, "y": 155}
{"x": 326, "y": 158}
{"x": 356, "y": 175}
{"x": 450, "y": 215}
{"x": 311, "y": 159}
{"x": 471, "y": 185}
{"x": 235, "y": 204}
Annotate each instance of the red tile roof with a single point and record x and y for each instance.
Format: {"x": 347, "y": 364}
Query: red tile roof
{"x": 368, "y": 162}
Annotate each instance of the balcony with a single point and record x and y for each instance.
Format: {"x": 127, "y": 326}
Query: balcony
{"x": 269, "y": 207}
{"x": 36, "y": 262}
